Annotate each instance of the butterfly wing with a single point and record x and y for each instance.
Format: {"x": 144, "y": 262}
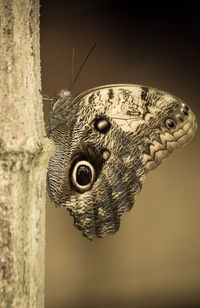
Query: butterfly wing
{"x": 107, "y": 138}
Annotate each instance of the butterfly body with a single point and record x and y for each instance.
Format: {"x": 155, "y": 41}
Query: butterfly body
{"x": 107, "y": 139}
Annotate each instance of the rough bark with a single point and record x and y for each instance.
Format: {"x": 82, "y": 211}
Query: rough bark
{"x": 24, "y": 153}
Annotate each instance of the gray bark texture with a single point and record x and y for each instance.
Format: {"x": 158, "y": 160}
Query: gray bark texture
{"x": 24, "y": 154}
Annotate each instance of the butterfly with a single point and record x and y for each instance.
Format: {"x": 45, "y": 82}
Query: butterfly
{"x": 107, "y": 139}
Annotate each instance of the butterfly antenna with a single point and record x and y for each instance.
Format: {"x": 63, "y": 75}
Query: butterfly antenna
{"x": 82, "y": 66}
{"x": 72, "y": 68}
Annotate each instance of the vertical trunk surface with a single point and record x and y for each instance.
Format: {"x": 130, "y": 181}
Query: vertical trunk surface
{"x": 24, "y": 155}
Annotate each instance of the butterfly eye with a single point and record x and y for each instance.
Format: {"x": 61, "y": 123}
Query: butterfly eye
{"x": 83, "y": 175}
{"x": 66, "y": 93}
{"x": 102, "y": 125}
{"x": 170, "y": 123}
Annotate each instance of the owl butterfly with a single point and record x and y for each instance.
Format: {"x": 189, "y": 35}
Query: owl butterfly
{"x": 108, "y": 138}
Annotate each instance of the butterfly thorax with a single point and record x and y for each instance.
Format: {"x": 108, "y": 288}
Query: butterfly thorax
{"x": 59, "y": 107}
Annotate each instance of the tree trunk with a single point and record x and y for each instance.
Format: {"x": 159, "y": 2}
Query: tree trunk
{"x": 24, "y": 154}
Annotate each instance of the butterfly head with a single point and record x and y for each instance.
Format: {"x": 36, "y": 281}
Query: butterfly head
{"x": 61, "y": 97}
{"x": 64, "y": 94}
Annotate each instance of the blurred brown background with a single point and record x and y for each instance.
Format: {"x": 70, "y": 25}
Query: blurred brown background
{"x": 154, "y": 260}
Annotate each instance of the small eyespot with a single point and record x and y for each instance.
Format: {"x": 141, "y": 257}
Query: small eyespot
{"x": 170, "y": 123}
{"x": 105, "y": 154}
{"x": 184, "y": 111}
{"x": 83, "y": 175}
{"x": 102, "y": 125}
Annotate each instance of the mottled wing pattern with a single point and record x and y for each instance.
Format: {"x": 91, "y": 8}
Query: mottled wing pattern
{"x": 107, "y": 139}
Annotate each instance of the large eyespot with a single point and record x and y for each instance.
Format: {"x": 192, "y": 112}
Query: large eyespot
{"x": 83, "y": 175}
{"x": 102, "y": 125}
{"x": 170, "y": 123}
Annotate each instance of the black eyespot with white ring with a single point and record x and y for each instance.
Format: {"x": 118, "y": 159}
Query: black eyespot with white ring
{"x": 102, "y": 125}
{"x": 170, "y": 123}
{"x": 83, "y": 175}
